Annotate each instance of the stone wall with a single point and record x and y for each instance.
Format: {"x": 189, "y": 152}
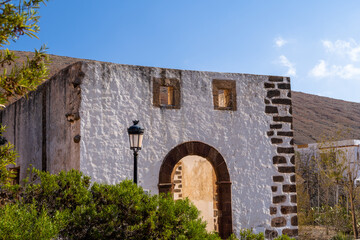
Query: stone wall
{"x": 44, "y": 126}
{"x": 284, "y": 208}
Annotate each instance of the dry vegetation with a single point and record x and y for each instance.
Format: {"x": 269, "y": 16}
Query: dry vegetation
{"x": 57, "y": 62}
{"x": 315, "y": 233}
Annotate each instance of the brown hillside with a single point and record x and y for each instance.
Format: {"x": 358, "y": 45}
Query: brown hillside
{"x": 314, "y": 116}
{"x": 57, "y": 62}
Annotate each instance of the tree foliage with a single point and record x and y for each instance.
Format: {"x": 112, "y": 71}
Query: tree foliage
{"x": 18, "y": 18}
{"x": 339, "y": 166}
{"x": 25, "y": 222}
{"x": 326, "y": 185}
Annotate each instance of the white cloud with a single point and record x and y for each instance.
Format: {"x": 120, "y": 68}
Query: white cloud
{"x": 279, "y": 41}
{"x": 347, "y": 55}
{"x": 350, "y": 49}
{"x": 322, "y": 70}
{"x": 354, "y": 54}
{"x": 328, "y": 45}
{"x": 348, "y": 71}
{"x": 286, "y": 63}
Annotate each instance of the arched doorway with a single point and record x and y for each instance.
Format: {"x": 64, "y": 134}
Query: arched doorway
{"x": 194, "y": 178}
{"x": 223, "y": 183}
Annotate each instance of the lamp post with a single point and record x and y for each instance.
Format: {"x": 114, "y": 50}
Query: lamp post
{"x": 135, "y": 137}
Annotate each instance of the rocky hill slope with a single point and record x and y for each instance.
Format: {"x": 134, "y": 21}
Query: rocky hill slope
{"x": 314, "y": 116}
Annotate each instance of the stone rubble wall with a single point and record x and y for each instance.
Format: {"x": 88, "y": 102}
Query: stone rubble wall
{"x": 45, "y": 126}
{"x": 283, "y": 208}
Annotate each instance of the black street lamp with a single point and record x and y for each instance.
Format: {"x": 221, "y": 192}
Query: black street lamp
{"x": 135, "y": 136}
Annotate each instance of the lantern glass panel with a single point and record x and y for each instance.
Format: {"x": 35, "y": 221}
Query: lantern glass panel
{"x": 133, "y": 140}
{"x": 140, "y": 140}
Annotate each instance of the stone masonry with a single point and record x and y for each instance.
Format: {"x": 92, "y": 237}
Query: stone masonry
{"x": 284, "y": 208}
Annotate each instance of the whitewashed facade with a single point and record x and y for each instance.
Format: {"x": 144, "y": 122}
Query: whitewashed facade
{"x": 78, "y": 119}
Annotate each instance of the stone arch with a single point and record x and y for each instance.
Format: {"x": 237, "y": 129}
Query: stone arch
{"x": 222, "y": 175}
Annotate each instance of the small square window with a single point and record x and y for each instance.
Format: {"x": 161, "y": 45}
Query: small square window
{"x": 224, "y": 94}
{"x": 166, "y": 93}
{"x": 166, "y": 96}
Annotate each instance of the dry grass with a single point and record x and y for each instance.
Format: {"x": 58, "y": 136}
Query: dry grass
{"x": 315, "y": 233}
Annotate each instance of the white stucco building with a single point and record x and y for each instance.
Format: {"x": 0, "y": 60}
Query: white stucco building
{"x": 240, "y": 123}
{"x": 347, "y": 151}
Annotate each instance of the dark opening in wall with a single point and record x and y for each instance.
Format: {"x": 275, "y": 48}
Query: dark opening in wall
{"x": 224, "y": 94}
{"x": 15, "y": 178}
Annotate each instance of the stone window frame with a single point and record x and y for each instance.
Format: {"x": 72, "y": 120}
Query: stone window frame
{"x": 230, "y": 85}
{"x": 167, "y": 82}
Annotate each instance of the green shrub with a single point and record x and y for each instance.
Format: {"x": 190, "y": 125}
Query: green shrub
{"x": 247, "y": 234}
{"x": 57, "y": 192}
{"x": 18, "y": 221}
{"x": 124, "y": 211}
{"x": 69, "y": 207}
{"x": 103, "y": 211}
{"x": 284, "y": 237}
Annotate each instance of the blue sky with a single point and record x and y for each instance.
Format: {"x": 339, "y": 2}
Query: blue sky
{"x": 316, "y": 43}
